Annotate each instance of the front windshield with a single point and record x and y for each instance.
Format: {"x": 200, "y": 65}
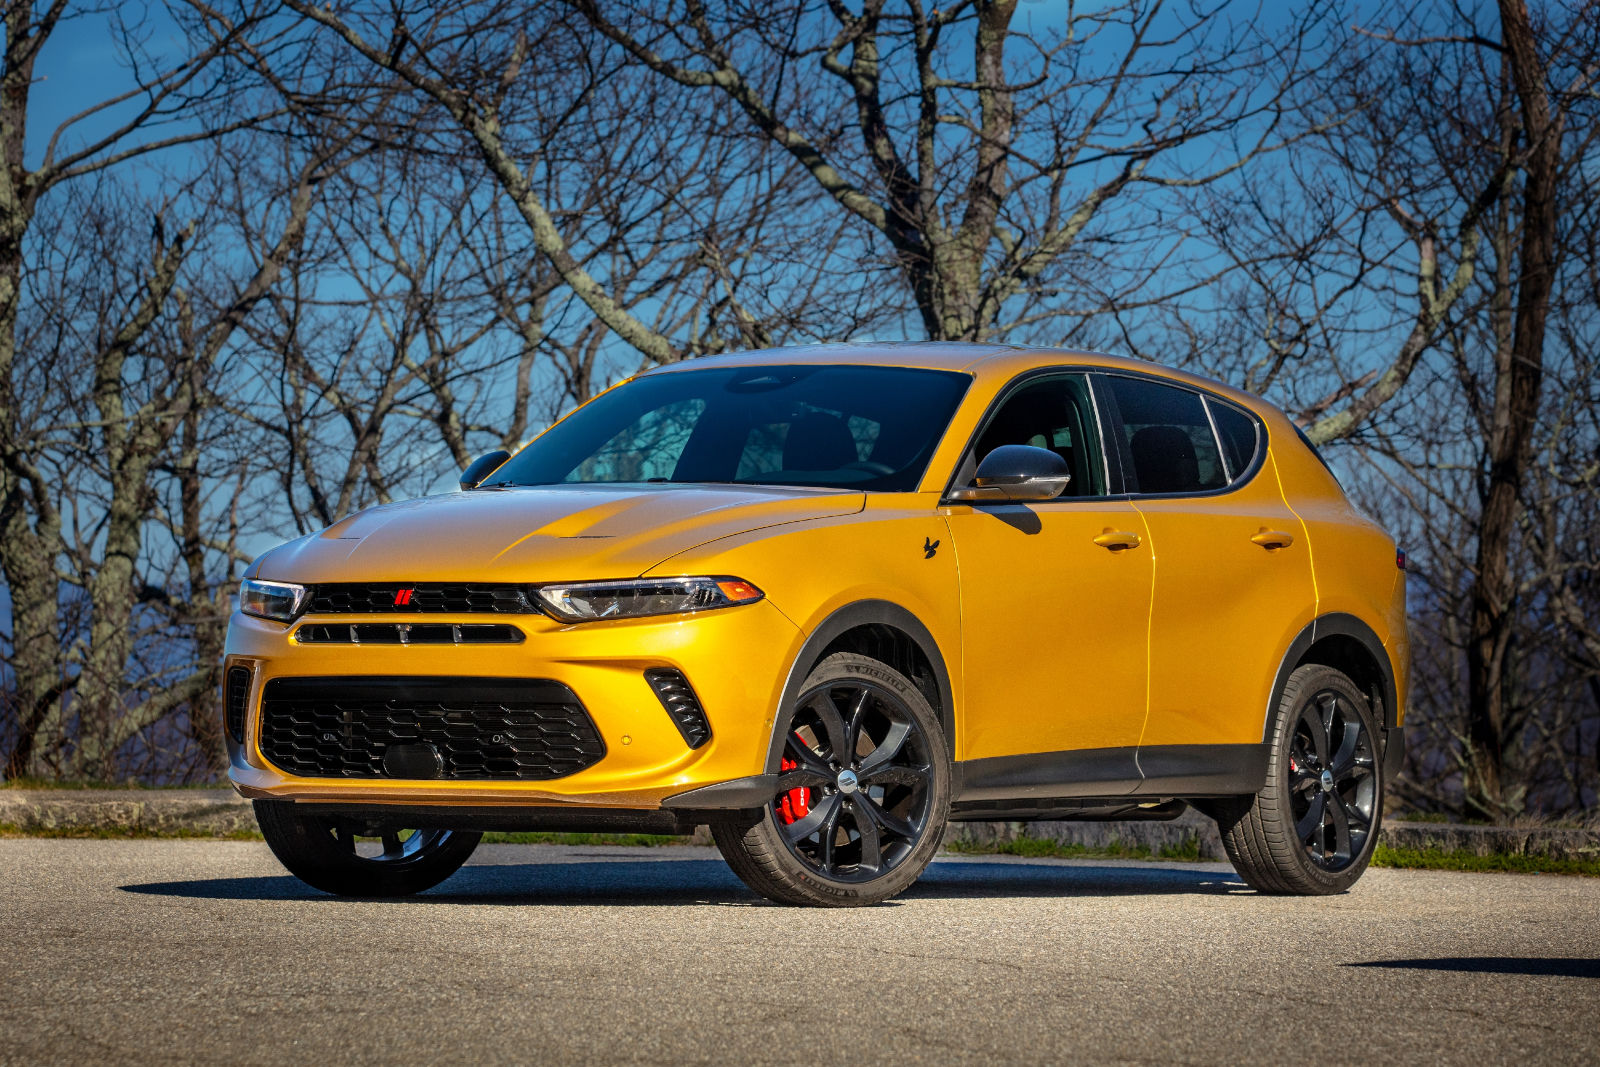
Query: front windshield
{"x": 842, "y": 427}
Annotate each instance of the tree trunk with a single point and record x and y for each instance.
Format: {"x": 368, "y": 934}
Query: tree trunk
{"x": 1516, "y": 413}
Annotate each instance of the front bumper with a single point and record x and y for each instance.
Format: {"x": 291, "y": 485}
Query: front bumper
{"x": 735, "y": 658}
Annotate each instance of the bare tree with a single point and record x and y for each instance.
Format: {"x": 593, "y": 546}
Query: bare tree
{"x": 543, "y": 136}
{"x": 1417, "y": 251}
{"x": 982, "y": 148}
{"x": 161, "y": 111}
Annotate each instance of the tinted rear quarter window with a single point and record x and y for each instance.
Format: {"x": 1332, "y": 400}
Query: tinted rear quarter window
{"x": 1168, "y": 437}
{"x": 1238, "y": 432}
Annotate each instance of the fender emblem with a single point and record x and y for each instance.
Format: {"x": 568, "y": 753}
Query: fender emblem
{"x": 929, "y": 547}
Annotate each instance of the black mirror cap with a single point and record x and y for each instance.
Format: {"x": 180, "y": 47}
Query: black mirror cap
{"x": 1017, "y": 473}
{"x": 482, "y": 467}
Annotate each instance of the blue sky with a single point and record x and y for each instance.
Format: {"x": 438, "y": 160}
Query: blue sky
{"x": 83, "y": 64}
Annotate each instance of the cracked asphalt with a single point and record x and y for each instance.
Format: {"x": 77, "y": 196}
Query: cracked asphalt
{"x": 207, "y": 952}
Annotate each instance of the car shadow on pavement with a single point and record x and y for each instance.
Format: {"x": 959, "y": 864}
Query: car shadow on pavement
{"x": 1557, "y": 966}
{"x": 579, "y": 882}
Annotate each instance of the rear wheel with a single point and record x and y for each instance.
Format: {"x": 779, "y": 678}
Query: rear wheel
{"x": 862, "y": 794}
{"x": 358, "y": 857}
{"x": 1312, "y": 827}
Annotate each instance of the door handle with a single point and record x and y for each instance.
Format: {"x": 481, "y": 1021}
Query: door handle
{"x": 1270, "y": 539}
{"x": 1116, "y": 540}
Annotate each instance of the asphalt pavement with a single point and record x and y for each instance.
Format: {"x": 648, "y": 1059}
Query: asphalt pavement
{"x": 207, "y": 952}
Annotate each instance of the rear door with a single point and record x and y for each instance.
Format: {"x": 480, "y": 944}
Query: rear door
{"x": 1232, "y": 583}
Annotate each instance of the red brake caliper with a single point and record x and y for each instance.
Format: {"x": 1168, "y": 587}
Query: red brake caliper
{"x": 796, "y": 803}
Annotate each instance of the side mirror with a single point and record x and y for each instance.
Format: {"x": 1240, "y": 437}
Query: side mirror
{"x": 482, "y": 467}
{"x": 1016, "y": 473}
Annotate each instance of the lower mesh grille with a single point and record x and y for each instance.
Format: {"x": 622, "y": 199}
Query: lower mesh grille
{"x": 482, "y": 729}
{"x": 235, "y": 698}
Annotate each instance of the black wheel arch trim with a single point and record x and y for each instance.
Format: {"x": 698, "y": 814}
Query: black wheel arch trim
{"x": 756, "y": 790}
{"x": 1337, "y": 624}
{"x": 865, "y": 613}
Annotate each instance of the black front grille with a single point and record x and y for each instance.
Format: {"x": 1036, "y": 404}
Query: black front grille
{"x": 457, "y": 598}
{"x": 483, "y": 729}
{"x": 408, "y": 633}
{"x": 235, "y": 698}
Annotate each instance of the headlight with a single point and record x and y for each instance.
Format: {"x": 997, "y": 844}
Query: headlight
{"x": 585, "y": 601}
{"x": 280, "y": 601}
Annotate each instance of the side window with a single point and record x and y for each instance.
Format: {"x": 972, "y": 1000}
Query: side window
{"x": 1240, "y": 437}
{"x": 1167, "y": 435}
{"x": 1053, "y": 413}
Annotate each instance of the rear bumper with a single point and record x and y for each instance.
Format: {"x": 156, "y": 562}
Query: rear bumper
{"x": 736, "y": 659}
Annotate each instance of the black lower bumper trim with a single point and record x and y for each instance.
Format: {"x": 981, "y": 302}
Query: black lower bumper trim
{"x": 565, "y": 818}
{"x": 741, "y": 794}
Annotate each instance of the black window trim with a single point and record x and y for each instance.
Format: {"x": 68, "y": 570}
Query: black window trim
{"x": 1259, "y": 442}
{"x": 1222, "y": 453}
{"x": 1112, "y": 473}
{"x": 1125, "y": 457}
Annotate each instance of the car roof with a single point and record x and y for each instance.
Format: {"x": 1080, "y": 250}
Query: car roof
{"x": 980, "y": 360}
{"x": 933, "y": 355}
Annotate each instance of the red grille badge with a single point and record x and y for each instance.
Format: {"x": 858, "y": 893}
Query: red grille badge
{"x": 402, "y": 597}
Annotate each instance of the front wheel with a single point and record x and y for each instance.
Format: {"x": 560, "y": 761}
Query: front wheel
{"x": 862, "y": 794}
{"x": 357, "y": 857}
{"x": 1312, "y": 827}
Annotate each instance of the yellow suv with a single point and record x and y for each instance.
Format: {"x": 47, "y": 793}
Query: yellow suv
{"x": 827, "y": 600}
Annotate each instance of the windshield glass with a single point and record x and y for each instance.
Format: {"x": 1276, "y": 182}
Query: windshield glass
{"x": 842, "y": 427}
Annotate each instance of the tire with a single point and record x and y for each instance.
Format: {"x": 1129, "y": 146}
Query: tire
{"x": 335, "y": 853}
{"x": 845, "y": 833}
{"x": 1311, "y": 829}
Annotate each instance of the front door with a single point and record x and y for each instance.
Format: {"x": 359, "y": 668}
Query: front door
{"x": 1055, "y": 602}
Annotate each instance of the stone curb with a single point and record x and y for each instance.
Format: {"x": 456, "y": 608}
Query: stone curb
{"x": 201, "y": 812}
{"x": 1178, "y": 834}
{"x": 221, "y": 812}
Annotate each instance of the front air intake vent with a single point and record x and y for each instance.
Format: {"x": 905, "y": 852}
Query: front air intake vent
{"x": 408, "y": 633}
{"x": 235, "y": 698}
{"x": 678, "y": 697}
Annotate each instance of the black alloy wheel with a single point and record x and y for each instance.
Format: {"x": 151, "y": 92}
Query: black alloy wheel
{"x": 861, "y": 793}
{"x": 1311, "y": 828}
{"x": 1332, "y": 781}
{"x": 853, "y": 798}
{"x": 363, "y": 857}
{"x": 382, "y": 843}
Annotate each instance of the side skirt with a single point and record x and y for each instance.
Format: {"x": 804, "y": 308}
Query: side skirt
{"x": 1105, "y": 783}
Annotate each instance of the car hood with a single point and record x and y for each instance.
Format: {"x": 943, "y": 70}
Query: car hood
{"x": 540, "y": 533}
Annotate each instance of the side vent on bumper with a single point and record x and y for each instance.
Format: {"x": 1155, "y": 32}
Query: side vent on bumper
{"x": 235, "y": 697}
{"x": 677, "y": 696}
